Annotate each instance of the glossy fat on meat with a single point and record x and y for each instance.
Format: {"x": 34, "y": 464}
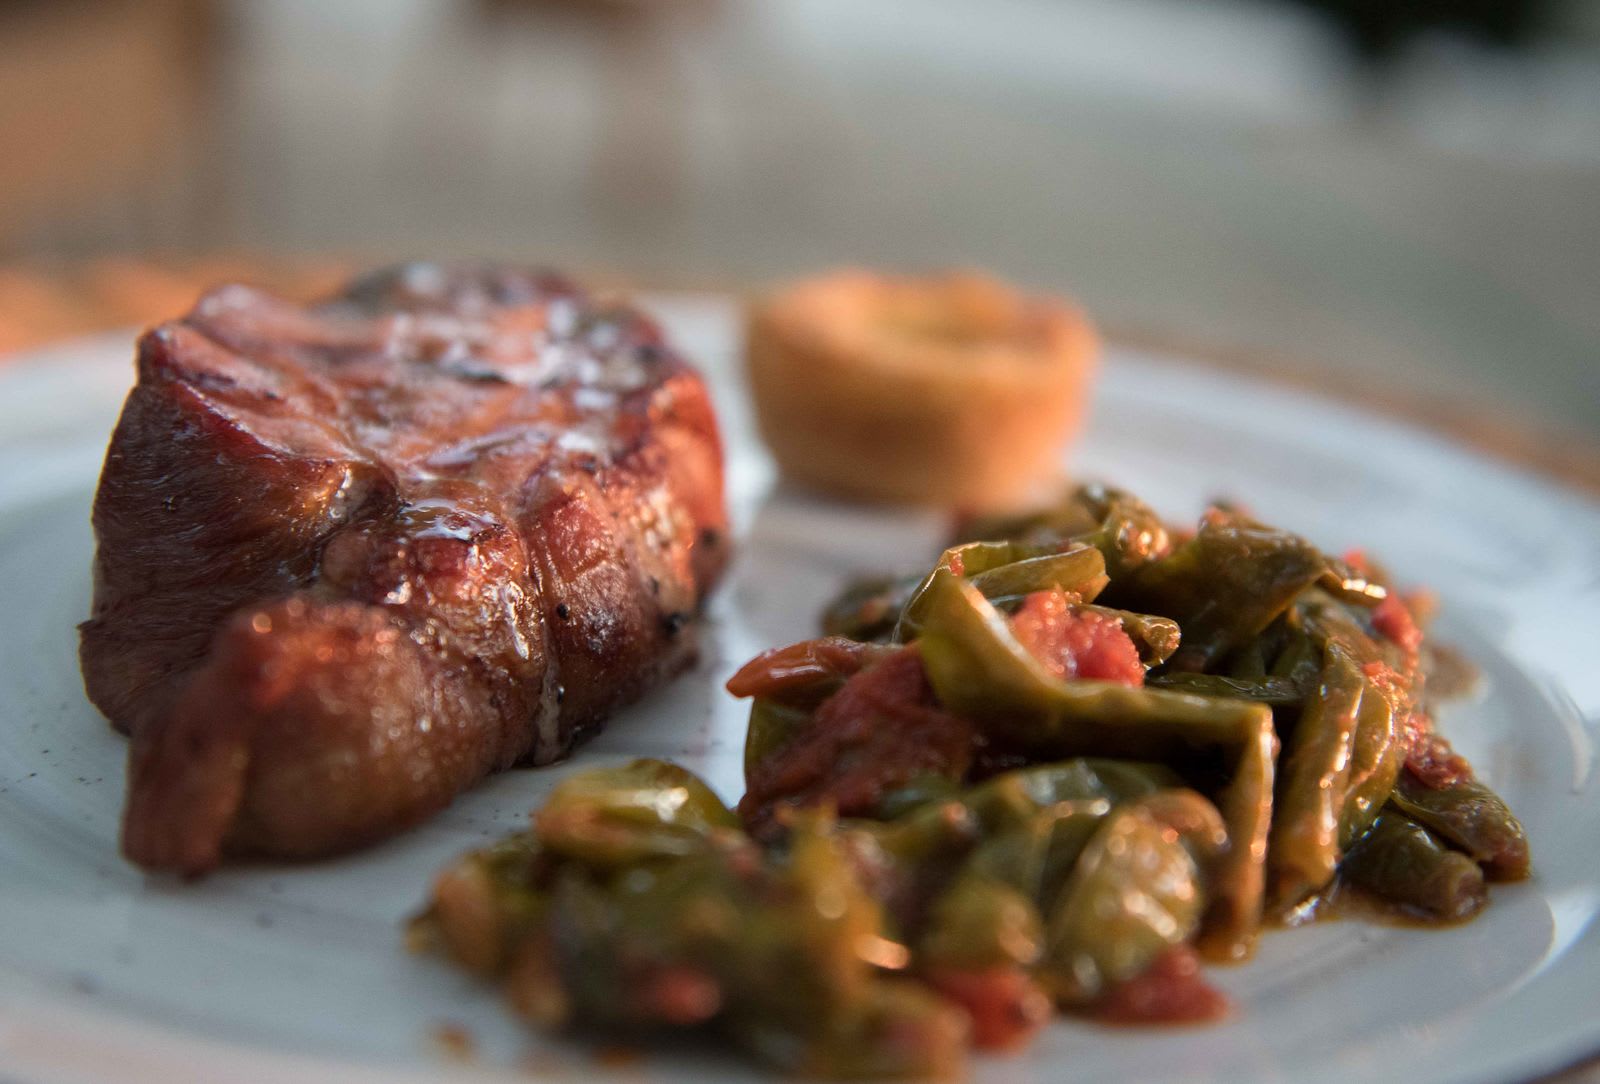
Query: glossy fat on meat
{"x": 355, "y": 556}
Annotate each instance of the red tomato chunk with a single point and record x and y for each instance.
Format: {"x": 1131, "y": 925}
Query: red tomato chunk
{"x": 1076, "y": 644}
{"x": 1393, "y": 621}
{"x": 880, "y": 731}
{"x": 1006, "y": 1006}
{"x": 1171, "y": 992}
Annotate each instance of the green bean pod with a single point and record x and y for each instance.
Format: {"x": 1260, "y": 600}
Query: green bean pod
{"x": 485, "y": 903}
{"x": 1036, "y": 856}
{"x": 980, "y": 922}
{"x": 1223, "y": 587}
{"x": 922, "y": 791}
{"x": 1299, "y": 661}
{"x": 1401, "y": 862}
{"x": 1352, "y": 586}
{"x": 869, "y": 608}
{"x": 772, "y": 726}
{"x": 1130, "y": 534}
{"x": 1015, "y": 796}
{"x": 1121, "y": 526}
{"x": 899, "y": 1030}
{"x": 1134, "y": 893}
{"x": 1248, "y": 662}
{"x": 1473, "y": 818}
{"x": 1277, "y": 691}
{"x": 1304, "y": 848}
{"x": 608, "y": 817}
{"x": 1125, "y": 529}
{"x": 1375, "y": 762}
{"x": 1008, "y": 571}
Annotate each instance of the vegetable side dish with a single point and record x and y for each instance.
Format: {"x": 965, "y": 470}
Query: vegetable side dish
{"x": 1059, "y": 771}
{"x": 959, "y": 390}
{"x": 354, "y": 556}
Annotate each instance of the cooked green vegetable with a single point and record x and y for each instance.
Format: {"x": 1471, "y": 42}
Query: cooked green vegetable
{"x": 1036, "y": 856}
{"x": 1304, "y": 849}
{"x": 921, "y": 791}
{"x": 1059, "y": 753}
{"x": 980, "y": 671}
{"x": 1125, "y": 529}
{"x": 632, "y": 905}
{"x": 1133, "y": 894}
{"x": 1155, "y": 637}
{"x": 980, "y": 923}
{"x": 1403, "y": 863}
{"x": 1075, "y": 513}
{"x": 1299, "y": 661}
{"x": 1277, "y": 691}
{"x": 869, "y": 608}
{"x": 1024, "y": 791}
{"x": 1351, "y": 585}
{"x": 772, "y": 726}
{"x": 1003, "y": 571}
{"x": 1375, "y": 761}
{"x": 1224, "y": 585}
{"x": 619, "y": 816}
{"x": 785, "y": 954}
{"x": 1473, "y": 818}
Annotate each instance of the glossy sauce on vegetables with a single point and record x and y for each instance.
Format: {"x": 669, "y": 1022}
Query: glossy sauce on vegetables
{"x": 881, "y": 730}
{"x": 1078, "y": 757}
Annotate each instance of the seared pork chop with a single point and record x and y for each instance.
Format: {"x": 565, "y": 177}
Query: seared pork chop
{"x": 355, "y": 556}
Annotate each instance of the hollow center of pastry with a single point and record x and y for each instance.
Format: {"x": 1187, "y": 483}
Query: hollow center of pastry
{"x": 969, "y": 316}
{"x": 920, "y": 324}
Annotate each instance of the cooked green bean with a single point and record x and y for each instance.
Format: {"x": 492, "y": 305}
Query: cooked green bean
{"x": 1133, "y": 894}
{"x": 1008, "y": 570}
{"x": 1034, "y": 857}
{"x": 1472, "y": 817}
{"x": 1300, "y": 660}
{"x": 1223, "y": 586}
{"x": 1017, "y": 795}
{"x": 1276, "y": 691}
{"x": 1402, "y": 862}
{"x": 617, "y": 816}
{"x": 980, "y": 922}
{"x": 1349, "y": 584}
{"x": 1156, "y": 638}
{"x": 1304, "y": 848}
{"x": 869, "y": 609}
{"x": 772, "y": 726}
{"x": 1125, "y": 529}
{"x": 1375, "y": 761}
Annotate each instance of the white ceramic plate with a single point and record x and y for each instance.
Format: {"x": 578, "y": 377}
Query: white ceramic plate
{"x": 271, "y": 972}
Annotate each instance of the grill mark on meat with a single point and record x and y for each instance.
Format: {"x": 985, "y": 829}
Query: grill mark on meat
{"x": 354, "y": 556}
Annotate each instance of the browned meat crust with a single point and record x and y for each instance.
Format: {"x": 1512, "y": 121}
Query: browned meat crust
{"x": 354, "y": 557}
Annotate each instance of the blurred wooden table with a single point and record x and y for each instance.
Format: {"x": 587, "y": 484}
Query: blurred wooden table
{"x": 40, "y": 305}
{"x": 43, "y": 305}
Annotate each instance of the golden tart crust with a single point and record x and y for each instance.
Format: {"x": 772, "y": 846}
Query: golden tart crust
{"x": 952, "y": 390}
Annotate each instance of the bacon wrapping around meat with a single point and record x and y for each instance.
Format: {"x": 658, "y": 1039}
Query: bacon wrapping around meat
{"x": 353, "y": 557}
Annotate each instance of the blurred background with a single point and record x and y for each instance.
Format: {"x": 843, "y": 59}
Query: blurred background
{"x": 1391, "y": 200}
